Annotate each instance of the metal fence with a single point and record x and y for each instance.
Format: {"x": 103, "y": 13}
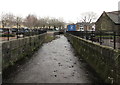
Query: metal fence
{"x": 20, "y": 33}
{"x": 108, "y": 38}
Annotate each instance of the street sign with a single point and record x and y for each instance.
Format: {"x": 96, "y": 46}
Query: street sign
{"x": 71, "y": 27}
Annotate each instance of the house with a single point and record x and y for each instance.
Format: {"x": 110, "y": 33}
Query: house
{"x": 85, "y": 26}
{"x": 108, "y": 21}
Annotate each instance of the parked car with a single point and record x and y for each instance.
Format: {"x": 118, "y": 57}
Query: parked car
{"x": 1, "y": 32}
{"x": 14, "y": 30}
{"x": 20, "y": 31}
{"x": 5, "y": 32}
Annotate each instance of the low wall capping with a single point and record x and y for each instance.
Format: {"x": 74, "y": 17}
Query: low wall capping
{"x": 105, "y": 60}
{"x": 16, "y": 49}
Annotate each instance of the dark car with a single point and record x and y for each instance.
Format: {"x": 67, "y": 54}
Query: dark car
{"x": 21, "y": 31}
{"x": 14, "y": 30}
{"x": 1, "y": 32}
{"x": 7, "y": 31}
{"x": 4, "y": 32}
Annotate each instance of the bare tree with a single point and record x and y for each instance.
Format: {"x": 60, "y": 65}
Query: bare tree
{"x": 52, "y": 22}
{"x": 31, "y": 21}
{"x": 56, "y": 23}
{"x": 19, "y": 21}
{"x": 87, "y": 20}
{"x": 42, "y": 22}
{"x": 8, "y": 19}
{"x": 61, "y": 23}
{"x": 48, "y": 22}
{"x": 88, "y": 17}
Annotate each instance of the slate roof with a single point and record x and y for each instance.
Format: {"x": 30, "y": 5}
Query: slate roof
{"x": 114, "y": 16}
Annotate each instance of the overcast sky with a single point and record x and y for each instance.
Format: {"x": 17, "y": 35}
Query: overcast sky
{"x": 70, "y": 10}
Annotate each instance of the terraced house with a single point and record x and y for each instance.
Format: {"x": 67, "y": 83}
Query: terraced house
{"x": 109, "y": 21}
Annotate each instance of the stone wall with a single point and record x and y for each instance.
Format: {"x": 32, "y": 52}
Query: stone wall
{"x": 105, "y": 60}
{"x": 15, "y": 50}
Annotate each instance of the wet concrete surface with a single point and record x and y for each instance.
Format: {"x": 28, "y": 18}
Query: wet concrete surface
{"x": 54, "y": 62}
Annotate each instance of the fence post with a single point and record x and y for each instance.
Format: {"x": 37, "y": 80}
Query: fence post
{"x": 114, "y": 40}
{"x": 92, "y": 35}
{"x": 100, "y": 38}
{"x": 17, "y": 33}
{"x": 8, "y": 34}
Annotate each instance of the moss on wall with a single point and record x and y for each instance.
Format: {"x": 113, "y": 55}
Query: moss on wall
{"x": 15, "y": 50}
{"x": 105, "y": 60}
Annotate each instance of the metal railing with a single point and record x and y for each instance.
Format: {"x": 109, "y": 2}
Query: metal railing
{"x": 20, "y": 33}
{"x": 108, "y": 38}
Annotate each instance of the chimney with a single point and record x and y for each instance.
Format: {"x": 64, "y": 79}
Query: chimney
{"x": 119, "y": 6}
{"x": 119, "y": 11}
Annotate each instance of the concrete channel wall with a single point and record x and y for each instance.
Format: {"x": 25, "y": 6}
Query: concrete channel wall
{"x": 15, "y": 50}
{"x": 104, "y": 60}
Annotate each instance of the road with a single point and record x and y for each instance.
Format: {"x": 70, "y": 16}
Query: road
{"x": 54, "y": 62}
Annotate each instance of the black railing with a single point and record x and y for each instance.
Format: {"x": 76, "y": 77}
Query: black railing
{"x": 108, "y": 38}
{"x": 8, "y": 34}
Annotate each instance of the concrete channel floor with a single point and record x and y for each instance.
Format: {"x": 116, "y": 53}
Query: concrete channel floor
{"x": 54, "y": 62}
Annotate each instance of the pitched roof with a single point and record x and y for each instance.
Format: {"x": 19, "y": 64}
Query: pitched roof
{"x": 114, "y": 16}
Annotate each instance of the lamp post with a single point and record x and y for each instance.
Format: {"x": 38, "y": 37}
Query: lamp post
{"x": 17, "y": 27}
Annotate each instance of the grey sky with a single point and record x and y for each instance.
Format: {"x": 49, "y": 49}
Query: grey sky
{"x": 70, "y": 10}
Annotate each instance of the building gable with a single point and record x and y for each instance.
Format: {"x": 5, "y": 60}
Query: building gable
{"x": 104, "y": 22}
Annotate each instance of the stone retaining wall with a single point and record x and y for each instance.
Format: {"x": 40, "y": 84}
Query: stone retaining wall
{"x": 15, "y": 50}
{"x": 105, "y": 60}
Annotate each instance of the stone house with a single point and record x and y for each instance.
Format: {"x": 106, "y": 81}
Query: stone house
{"x": 108, "y": 21}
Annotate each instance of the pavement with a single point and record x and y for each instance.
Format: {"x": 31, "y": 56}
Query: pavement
{"x": 6, "y": 38}
{"x": 54, "y": 62}
{"x": 110, "y": 43}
